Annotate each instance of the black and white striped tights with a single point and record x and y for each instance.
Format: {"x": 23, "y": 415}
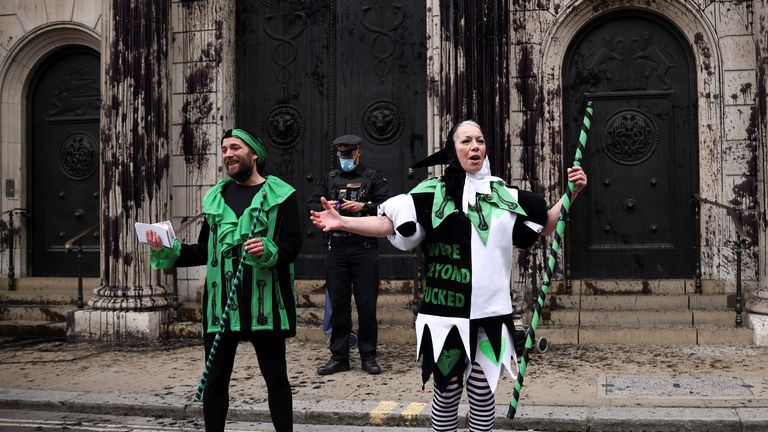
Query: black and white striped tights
{"x": 482, "y": 404}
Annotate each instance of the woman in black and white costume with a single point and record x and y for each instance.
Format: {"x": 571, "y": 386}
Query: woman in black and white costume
{"x": 466, "y": 222}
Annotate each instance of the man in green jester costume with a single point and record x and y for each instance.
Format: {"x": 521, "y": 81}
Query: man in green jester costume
{"x": 264, "y": 309}
{"x": 466, "y": 222}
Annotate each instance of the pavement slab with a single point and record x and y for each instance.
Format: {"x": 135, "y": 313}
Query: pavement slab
{"x": 569, "y": 388}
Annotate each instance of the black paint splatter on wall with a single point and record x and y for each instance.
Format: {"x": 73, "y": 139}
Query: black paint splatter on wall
{"x": 762, "y": 105}
{"x": 199, "y": 108}
{"x": 135, "y": 127}
{"x": 480, "y": 32}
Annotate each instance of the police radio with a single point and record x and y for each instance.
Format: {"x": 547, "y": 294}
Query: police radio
{"x": 351, "y": 192}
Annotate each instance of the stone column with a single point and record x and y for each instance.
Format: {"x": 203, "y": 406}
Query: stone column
{"x": 135, "y": 164}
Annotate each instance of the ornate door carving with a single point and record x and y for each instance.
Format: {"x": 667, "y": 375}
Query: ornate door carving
{"x": 310, "y": 71}
{"x": 635, "y": 219}
{"x": 63, "y": 162}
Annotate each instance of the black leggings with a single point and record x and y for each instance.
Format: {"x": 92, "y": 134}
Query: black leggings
{"x": 270, "y": 351}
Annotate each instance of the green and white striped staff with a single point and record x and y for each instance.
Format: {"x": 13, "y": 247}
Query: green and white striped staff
{"x": 230, "y": 296}
{"x": 530, "y": 335}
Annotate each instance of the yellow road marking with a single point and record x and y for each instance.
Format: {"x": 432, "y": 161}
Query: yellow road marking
{"x": 412, "y": 410}
{"x": 381, "y": 411}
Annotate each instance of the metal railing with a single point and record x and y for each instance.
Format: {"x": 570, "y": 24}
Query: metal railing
{"x": 174, "y": 274}
{"x": 742, "y": 240}
{"x": 11, "y": 269}
{"x": 68, "y": 245}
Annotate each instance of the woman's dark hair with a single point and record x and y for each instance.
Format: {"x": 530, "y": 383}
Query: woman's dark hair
{"x": 454, "y": 175}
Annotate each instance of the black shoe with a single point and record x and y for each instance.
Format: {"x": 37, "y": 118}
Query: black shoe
{"x": 333, "y": 366}
{"x": 369, "y": 365}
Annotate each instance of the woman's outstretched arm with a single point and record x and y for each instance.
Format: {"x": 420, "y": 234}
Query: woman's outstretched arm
{"x": 330, "y": 220}
{"x": 579, "y": 178}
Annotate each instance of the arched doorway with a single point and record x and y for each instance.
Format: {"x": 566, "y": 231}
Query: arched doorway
{"x": 636, "y": 219}
{"x": 63, "y": 161}
{"x": 309, "y": 72}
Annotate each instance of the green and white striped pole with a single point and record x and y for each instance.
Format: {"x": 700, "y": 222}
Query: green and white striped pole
{"x": 530, "y": 335}
{"x": 225, "y": 315}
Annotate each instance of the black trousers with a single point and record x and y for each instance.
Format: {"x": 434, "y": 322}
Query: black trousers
{"x": 352, "y": 267}
{"x": 270, "y": 352}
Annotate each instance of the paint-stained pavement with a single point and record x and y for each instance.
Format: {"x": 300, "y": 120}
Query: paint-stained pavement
{"x": 567, "y": 388}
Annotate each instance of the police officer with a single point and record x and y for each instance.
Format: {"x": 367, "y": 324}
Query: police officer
{"x": 352, "y": 263}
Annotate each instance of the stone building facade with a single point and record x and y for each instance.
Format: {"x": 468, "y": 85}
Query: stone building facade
{"x": 172, "y": 76}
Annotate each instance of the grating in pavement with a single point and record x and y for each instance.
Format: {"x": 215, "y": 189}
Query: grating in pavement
{"x": 673, "y": 386}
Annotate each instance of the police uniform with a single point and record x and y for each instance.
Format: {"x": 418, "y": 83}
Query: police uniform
{"x": 352, "y": 262}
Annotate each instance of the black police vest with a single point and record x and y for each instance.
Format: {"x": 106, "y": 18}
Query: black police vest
{"x": 357, "y": 188}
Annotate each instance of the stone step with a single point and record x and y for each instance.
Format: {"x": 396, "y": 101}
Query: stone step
{"x": 660, "y": 335}
{"x": 388, "y": 304}
{"x": 387, "y": 334}
{"x": 384, "y": 316}
{"x": 404, "y": 300}
{"x": 44, "y": 290}
{"x": 638, "y": 286}
{"x": 647, "y": 318}
{"x": 64, "y": 284}
{"x": 639, "y": 319}
{"x": 33, "y": 329}
{"x": 386, "y": 286}
{"x": 638, "y": 302}
{"x": 45, "y": 312}
{"x": 718, "y": 318}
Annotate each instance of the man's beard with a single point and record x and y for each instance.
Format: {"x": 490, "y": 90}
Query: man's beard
{"x": 244, "y": 170}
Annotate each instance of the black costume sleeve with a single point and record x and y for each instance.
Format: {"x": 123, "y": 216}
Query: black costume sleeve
{"x": 320, "y": 190}
{"x": 195, "y": 254}
{"x": 534, "y": 205}
{"x": 288, "y": 238}
{"x": 379, "y": 194}
{"x": 422, "y": 202}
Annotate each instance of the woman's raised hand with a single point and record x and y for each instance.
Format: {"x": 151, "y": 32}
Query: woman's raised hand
{"x": 579, "y": 178}
{"x": 328, "y": 219}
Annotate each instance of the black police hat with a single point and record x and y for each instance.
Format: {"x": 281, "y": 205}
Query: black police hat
{"x": 347, "y": 140}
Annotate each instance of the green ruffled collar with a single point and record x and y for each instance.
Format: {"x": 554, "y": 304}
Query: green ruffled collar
{"x": 486, "y": 208}
{"x": 232, "y": 231}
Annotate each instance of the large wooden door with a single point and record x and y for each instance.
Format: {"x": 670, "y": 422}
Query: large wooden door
{"x": 63, "y": 162}
{"x": 635, "y": 219}
{"x": 310, "y": 71}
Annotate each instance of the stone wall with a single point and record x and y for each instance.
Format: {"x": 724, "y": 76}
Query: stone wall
{"x": 202, "y": 108}
{"x": 29, "y": 32}
{"x": 728, "y": 39}
{"x": 729, "y": 84}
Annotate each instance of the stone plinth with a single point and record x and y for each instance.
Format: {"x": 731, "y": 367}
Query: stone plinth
{"x": 759, "y": 324}
{"x": 758, "y": 316}
{"x": 113, "y": 326}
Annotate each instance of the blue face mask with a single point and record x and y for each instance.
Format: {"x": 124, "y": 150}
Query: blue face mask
{"x": 347, "y": 165}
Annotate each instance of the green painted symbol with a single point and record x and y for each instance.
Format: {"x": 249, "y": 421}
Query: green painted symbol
{"x": 487, "y": 350}
{"x": 448, "y": 360}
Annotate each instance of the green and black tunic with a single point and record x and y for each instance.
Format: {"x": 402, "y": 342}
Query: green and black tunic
{"x": 266, "y": 297}
{"x": 466, "y": 310}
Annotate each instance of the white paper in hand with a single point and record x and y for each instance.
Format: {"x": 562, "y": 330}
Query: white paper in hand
{"x": 164, "y": 229}
{"x": 169, "y": 227}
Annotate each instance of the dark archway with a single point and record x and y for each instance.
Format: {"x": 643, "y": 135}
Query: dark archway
{"x": 309, "y": 71}
{"x": 63, "y": 161}
{"x": 636, "y": 220}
